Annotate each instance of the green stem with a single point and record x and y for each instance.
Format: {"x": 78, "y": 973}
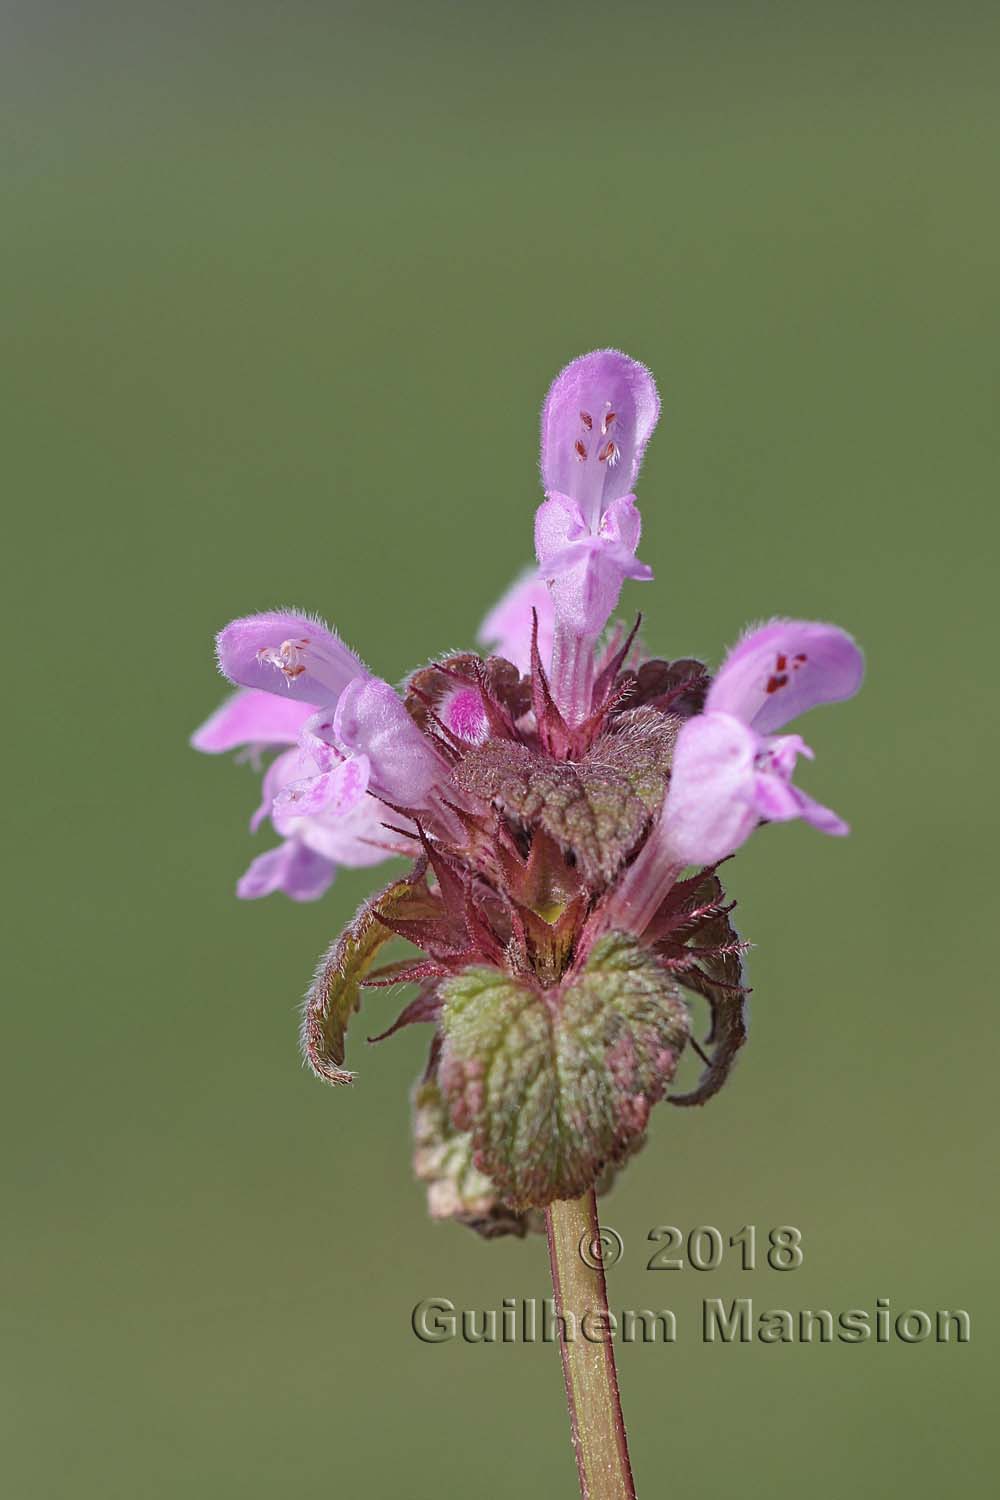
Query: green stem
{"x": 588, "y": 1356}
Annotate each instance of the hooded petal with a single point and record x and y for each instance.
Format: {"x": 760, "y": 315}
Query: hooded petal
{"x": 293, "y": 868}
{"x": 251, "y": 717}
{"x": 777, "y": 672}
{"x": 711, "y": 806}
{"x": 370, "y": 720}
{"x": 507, "y": 628}
{"x": 288, "y": 654}
{"x": 596, "y": 421}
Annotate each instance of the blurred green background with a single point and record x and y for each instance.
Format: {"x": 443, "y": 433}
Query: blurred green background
{"x": 284, "y": 288}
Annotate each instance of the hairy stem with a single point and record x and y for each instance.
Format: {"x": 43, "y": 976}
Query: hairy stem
{"x": 588, "y": 1358}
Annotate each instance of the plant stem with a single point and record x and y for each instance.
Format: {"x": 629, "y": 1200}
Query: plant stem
{"x": 588, "y": 1357}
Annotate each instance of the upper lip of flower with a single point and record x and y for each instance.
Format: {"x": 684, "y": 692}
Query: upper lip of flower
{"x": 597, "y": 419}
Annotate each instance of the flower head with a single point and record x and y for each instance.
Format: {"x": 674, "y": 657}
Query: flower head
{"x": 564, "y": 803}
{"x": 730, "y": 770}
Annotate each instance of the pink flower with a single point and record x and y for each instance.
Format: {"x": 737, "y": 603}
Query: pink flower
{"x": 313, "y": 794}
{"x": 551, "y": 795}
{"x": 342, "y": 827}
{"x": 730, "y": 770}
{"x": 598, "y": 417}
{"x": 254, "y": 719}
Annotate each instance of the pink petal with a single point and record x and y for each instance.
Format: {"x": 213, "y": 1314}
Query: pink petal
{"x": 506, "y": 631}
{"x": 462, "y": 711}
{"x": 621, "y": 522}
{"x": 563, "y": 559}
{"x": 333, "y": 792}
{"x": 251, "y": 717}
{"x": 823, "y": 818}
{"x": 370, "y": 720}
{"x": 711, "y": 804}
{"x": 298, "y": 871}
{"x": 776, "y": 799}
{"x": 586, "y": 569}
{"x": 782, "y": 752}
{"x": 282, "y": 771}
{"x": 349, "y": 833}
{"x": 288, "y": 654}
{"x": 358, "y": 838}
{"x": 596, "y": 421}
{"x": 777, "y": 672}
{"x": 316, "y": 739}
{"x": 559, "y": 525}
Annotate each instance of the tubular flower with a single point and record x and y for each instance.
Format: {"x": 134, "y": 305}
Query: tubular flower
{"x": 564, "y": 803}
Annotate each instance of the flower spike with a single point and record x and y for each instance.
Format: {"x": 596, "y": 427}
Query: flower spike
{"x": 554, "y": 798}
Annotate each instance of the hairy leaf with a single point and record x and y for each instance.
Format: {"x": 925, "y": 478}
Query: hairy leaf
{"x": 718, "y": 977}
{"x": 335, "y": 992}
{"x": 554, "y": 1085}
{"x": 456, "y": 1189}
{"x": 697, "y": 942}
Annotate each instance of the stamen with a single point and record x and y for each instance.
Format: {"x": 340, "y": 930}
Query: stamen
{"x": 286, "y": 657}
{"x": 609, "y": 417}
{"x": 607, "y": 452}
{"x": 587, "y": 420}
{"x": 774, "y": 683}
{"x": 581, "y": 451}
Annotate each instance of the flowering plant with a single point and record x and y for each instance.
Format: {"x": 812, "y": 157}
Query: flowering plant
{"x": 566, "y": 801}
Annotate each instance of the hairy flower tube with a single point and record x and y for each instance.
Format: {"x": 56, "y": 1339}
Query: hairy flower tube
{"x": 564, "y": 800}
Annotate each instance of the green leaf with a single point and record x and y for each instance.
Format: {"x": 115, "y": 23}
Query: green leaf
{"x": 335, "y": 993}
{"x": 456, "y": 1189}
{"x": 554, "y": 1085}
